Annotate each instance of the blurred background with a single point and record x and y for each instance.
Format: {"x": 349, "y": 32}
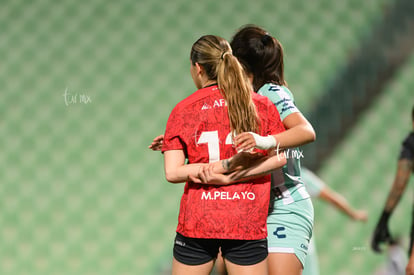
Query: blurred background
{"x": 85, "y": 86}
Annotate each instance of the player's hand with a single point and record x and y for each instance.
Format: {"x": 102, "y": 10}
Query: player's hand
{"x": 244, "y": 160}
{"x": 249, "y": 140}
{"x": 360, "y": 215}
{"x": 206, "y": 175}
{"x": 381, "y": 234}
{"x": 156, "y": 144}
{"x": 244, "y": 142}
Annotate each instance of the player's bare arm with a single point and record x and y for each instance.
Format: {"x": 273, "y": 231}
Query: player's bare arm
{"x": 299, "y": 132}
{"x": 338, "y": 201}
{"x": 246, "y": 166}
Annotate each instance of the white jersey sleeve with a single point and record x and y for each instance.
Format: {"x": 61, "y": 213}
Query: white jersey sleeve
{"x": 281, "y": 97}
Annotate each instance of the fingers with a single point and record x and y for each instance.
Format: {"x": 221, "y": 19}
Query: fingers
{"x": 155, "y": 146}
{"x": 194, "y": 179}
{"x": 207, "y": 174}
{"x": 240, "y": 138}
{"x": 200, "y": 178}
{"x": 159, "y": 137}
{"x": 202, "y": 175}
{"x": 364, "y": 217}
{"x": 246, "y": 145}
{"x": 244, "y": 141}
{"x": 361, "y": 215}
{"x": 157, "y": 142}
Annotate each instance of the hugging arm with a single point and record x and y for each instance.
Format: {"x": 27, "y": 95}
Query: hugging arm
{"x": 244, "y": 166}
{"x": 241, "y": 166}
{"x": 299, "y": 132}
{"x": 176, "y": 171}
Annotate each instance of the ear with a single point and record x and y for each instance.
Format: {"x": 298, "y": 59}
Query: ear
{"x": 199, "y": 69}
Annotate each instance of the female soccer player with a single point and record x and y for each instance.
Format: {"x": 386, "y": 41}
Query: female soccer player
{"x": 290, "y": 219}
{"x": 200, "y": 129}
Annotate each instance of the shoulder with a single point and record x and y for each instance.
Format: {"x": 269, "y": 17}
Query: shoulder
{"x": 276, "y": 92}
{"x": 262, "y": 101}
{"x": 281, "y": 97}
{"x": 259, "y": 97}
{"x": 196, "y": 99}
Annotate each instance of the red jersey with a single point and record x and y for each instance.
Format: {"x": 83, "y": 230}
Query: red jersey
{"x": 199, "y": 126}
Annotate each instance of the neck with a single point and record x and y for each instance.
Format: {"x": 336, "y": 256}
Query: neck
{"x": 208, "y": 83}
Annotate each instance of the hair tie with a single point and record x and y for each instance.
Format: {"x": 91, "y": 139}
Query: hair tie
{"x": 266, "y": 38}
{"x": 223, "y": 54}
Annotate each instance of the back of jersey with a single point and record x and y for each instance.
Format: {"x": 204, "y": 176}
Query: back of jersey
{"x": 199, "y": 126}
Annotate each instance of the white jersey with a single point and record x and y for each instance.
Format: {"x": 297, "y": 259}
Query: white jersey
{"x": 287, "y": 186}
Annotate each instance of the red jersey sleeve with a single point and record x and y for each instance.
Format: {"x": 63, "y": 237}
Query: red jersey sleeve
{"x": 172, "y": 138}
{"x": 275, "y": 123}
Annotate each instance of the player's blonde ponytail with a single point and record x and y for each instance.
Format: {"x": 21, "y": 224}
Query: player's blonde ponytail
{"x": 215, "y": 55}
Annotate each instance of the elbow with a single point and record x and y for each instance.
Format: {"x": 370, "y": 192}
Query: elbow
{"x": 310, "y": 134}
{"x": 171, "y": 177}
{"x": 172, "y": 180}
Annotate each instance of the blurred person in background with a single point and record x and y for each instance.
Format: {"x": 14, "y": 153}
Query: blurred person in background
{"x": 395, "y": 259}
{"x": 404, "y": 169}
{"x": 318, "y": 189}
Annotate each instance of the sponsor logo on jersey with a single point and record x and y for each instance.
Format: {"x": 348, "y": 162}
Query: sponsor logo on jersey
{"x": 205, "y": 107}
{"x": 217, "y": 104}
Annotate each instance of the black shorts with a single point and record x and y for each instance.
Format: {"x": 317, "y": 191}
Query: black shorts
{"x": 196, "y": 251}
